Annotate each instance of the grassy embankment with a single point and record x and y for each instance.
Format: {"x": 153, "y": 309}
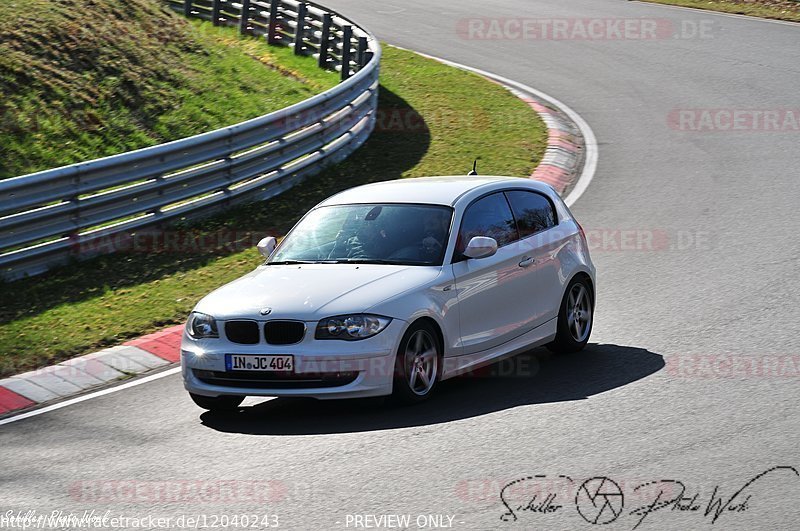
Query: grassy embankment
{"x": 85, "y": 79}
{"x": 777, "y": 9}
{"x": 104, "y": 301}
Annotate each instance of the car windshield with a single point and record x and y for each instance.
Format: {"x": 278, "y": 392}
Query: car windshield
{"x": 369, "y": 233}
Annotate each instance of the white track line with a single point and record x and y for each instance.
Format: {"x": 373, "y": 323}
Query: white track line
{"x": 102, "y": 392}
{"x": 589, "y": 167}
{"x": 721, "y": 13}
{"x": 590, "y": 141}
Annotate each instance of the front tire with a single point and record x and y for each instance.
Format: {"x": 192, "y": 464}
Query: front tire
{"x": 417, "y": 365}
{"x": 575, "y": 318}
{"x": 217, "y": 403}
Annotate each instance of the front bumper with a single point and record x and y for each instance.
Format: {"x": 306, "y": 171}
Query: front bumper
{"x": 323, "y": 369}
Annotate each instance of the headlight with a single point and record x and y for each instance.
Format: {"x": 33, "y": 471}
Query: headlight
{"x": 201, "y": 326}
{"x": 351, "y": 327}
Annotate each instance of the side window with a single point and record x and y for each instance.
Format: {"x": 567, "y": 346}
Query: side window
{"x": 489, "y": 216}
{"x": 533, "y": 212}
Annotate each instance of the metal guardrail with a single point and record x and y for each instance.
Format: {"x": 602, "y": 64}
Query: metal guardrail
{"x": 54, "y": 216}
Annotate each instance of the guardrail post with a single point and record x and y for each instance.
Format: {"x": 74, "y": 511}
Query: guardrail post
{"x": 244, "y": 17}
{"x": 187, "y": 8}
{"x": 361, "y": 58}
{"x": 301, "y": 28}
{"x": 215, "y": 5}
{"x": 272, "y": 28}
{"x": 324, "y": 40}
{"x": 347, "y": 36}
{"x": 75, "y": 218}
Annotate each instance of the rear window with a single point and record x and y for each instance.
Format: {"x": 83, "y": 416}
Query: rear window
{"x": 533, "y": 212}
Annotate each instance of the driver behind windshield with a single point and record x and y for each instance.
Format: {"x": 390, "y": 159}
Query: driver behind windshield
{"x": 434, "y": 232}
{"x": 363, "y": 238}
{"x": 370, "y": 241}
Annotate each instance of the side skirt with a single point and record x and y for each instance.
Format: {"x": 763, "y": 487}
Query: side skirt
{"x": 541, "y": 335}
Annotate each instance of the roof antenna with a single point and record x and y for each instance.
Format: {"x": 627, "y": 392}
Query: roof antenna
{"x": 474, "y": 168}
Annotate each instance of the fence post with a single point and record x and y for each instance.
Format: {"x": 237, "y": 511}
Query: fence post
{"x": 347, "y": 36}
{"x": 300, "y": 29}
{"x": 361, "y": 58}
{"x": 324, "y": 39}
{"x": 187, "y": 8}
{"x": 244, "y": 17}
{"x": 272, "y": 28}
{"x": 215, "y": 5}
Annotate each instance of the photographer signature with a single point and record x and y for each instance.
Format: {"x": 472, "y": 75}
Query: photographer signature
{"x": 600, "y": 500}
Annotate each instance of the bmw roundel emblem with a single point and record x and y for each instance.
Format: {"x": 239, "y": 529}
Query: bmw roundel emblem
{"x": 266, "y": 311}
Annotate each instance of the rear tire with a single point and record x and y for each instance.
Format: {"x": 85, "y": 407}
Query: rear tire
{"x": 417, "y": 367}
{"x": 217, "y": 403}
{"x": 575, "y": 318}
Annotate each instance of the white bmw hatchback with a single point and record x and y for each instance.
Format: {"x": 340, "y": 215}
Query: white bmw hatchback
{"x": 390, "y": 288}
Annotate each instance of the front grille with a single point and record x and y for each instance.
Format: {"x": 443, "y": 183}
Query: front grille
{"x": 275, "y": 380}
{"x": 242, "y": 332}
{"x": 284, "y": 332}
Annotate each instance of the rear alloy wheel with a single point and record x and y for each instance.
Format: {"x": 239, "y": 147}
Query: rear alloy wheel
{"x": 217, "y": 403}
{"x": 575, "y": 317}
{"x": 417, "y": 364}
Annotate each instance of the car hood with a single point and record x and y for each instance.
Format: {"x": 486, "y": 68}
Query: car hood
{"x": 310, "y": 292}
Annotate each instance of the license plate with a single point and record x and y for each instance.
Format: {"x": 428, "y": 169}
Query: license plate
{"x": 249, "y": 362}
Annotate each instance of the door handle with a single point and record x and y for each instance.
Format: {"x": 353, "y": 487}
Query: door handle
{"x": 526, "y": 262}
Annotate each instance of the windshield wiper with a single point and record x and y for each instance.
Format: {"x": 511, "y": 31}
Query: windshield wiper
{"x": 289, "y": 262}
{"x": 377, "y": 261}
{"x": 349, "y": 261}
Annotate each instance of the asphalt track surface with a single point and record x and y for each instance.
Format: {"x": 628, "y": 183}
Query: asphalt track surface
{"x": 693, "y": 371}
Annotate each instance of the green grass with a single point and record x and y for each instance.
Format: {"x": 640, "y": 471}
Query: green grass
{"x": 777, "y": 9}
{"x": 84, "y": 79}
{"x": 101, "y": 302}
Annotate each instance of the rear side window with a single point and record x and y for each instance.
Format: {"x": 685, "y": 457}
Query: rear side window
{"x": 489, "y": 216}
{"x": 533, "y": 212}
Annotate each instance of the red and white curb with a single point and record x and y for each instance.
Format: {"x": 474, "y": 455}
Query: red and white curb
{"x": 563, "y": 157}
{"x": 568, "y": 165}
{"x": 78, "y": 375}
{"x": 570, "y": 159}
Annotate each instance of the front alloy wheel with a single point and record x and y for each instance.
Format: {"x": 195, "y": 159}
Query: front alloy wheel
{"x": 417, "y": 365}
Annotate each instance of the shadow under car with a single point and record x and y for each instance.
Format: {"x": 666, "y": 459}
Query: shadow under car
{"x": 534, "y": 377}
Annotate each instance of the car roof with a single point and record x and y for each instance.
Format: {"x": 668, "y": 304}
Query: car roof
{"x": 444, "y": 190}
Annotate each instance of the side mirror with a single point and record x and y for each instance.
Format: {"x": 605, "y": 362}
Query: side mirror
{"x": 481, "y": 247}
{"x": 266, "y": 246}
